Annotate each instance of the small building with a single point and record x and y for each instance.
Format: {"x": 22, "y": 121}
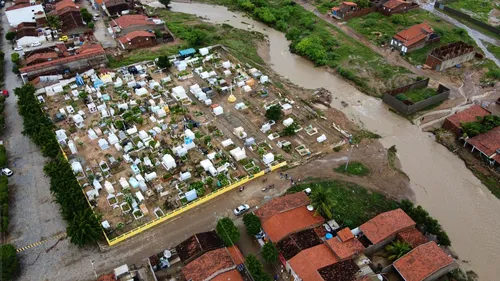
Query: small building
{"x": 454, "y": 122}
{"x": 219, "y": 265}
{"x": 345, "y": 246}
{"x": 392, "y": 7}
{"x": 345, "y": 8}
{"x": 305, "y": 265}
{"x": 383, "y": 228}
{"x": 41, "y": 57}
{"x": 137, "y": 39}
{"x": 128, "y": 23}
{"x": 450, "y": 55}
{"x": 115, "y": 7}
{"x": 414, "y": 38}
{"x": 187, "y": 52}
{"x": 424, "y": 263}
{"x": 488, "y": 144}
{"x": 69, "y": 15}
{"x": 23, "y": 12}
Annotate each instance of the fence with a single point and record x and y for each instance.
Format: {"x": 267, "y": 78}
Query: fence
{"x": 193, "y": 204}
{"x": 466, "y": 17}
{"x": 405, "y": 108}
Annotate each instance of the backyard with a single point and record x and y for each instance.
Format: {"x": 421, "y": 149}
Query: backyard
{"x": 417, "y": 95}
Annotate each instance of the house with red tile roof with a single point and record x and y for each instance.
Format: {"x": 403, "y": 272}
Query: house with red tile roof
{"x": 286, "y": 215}
{"x": 137, "y": 39}
{"x": 345, "y": 246}
{"x": 383, "y": 228}
{"x": 414, "y": 37}
{"x": 488, "y": 144}
{"x": 412, "y": 236}
{"x": 305, "y": 265}
{"x": 392, "y": 7}
{"x": 69, "y": 15}
{"x": 454, "y": 122}
{"x": 218, "y": 264}
{"x": 424, "y": 263}
{"x": 41, "y": 57}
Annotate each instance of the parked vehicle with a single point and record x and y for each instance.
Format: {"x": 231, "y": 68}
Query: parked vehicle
{"x": 8, "y": 172}
{"x": 64, "y": 38}
{"x": 18, "y": 48}
{"x": 241, "y": 209}
{"x": 5, "y": 93}
{"x": 36, "y": 44}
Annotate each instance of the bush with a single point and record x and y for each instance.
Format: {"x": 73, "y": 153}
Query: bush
{"x": 265, "y": 15}
{"x": 91, "y": 25}
{"x": 3, "y": 156}
{"x": 252, "y": 223}
{"x": 9, "y": 262}
{"x": 11, "y": 35}
{"x": 290, "y": 130}
{"x": 15, "y": 57}
{"x": 312, "y": 48}
{"x": 270, "y": 252}
{"x": 274, "y": 113}
{"x": 227, "y": 231}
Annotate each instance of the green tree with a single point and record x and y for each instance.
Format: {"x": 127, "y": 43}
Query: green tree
{"x": 246, "y": 5}
{"x": 166, "y": 3}
{"x": 312, "y": 48}
{"x": 163, "y": 62}
{"x": 84, "y": 228}
{"x": 265, "y": 15}
{"x": 290, "y": 130}
{"x": 54, "y": 22}
{"x": 86, "y": 16}
{"x": 227, "y": 231}
{"x": 256, "y": 269}
{"x": 11, "y": 35}
{"x": 252, "y": 223}
{"x": 363, "y": 3}
{"x": 3, "y": 156}
{"x": 270, "y": 252}
{"x": 397, "y": 249}
{"x": 15, "y": 57}
{"x": 196, "y": 37}
{"x": 91, "y": 25}
{"x": 274, "y": 113}
{"x": 9, "y": 262}
{"x": 323, "y": 202}
{"x": 158, "y": 34}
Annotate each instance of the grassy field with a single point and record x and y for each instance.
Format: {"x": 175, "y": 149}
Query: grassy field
{"x": 477, "y": 9}
{"x": 495, "y": 50}
{"x": 354, "y": 168}
{"x": 473, "y": 25}
{"x": 417, "y": 95}
{"x": 354, "y": 204}
{"x": 379, "y": 29}
{"x": 322, "y": 43}
{"x": 195, "y": 33}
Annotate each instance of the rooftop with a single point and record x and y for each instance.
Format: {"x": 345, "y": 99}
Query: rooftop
{"x": 391, "y": 4}
{"x": 386, "y": 224}
{"x": 232, "y": 275}
{"x": 282, "y": 224}
{"x": 347, "y": 249}
{"x": 17, "y": 6}
{"x": 350, "y": 3}
{"x": 422, "y": 261}
{"x": 452, "y": 50}
{"x": 307, "y": 263}
{"x": 197, "y": 244}
{"x": 468, "y": 115}
{"x": 345, "y": 234}
{"x": 236, "y": 255}
{"x": 208, "y": 265}
{"x": 296, "y": 242}
{"x": 413, "y": 237}
{"x": 281, "y": 204}
{"x": 41, "y": 56}
{"x": 66, "y": 4}
{"x": 130, "y": 20}
{"x": 111, "y": 3}
{"x": 414, "y": 34}
{"x": 134, "y": 34}
{"x": 344, "y": 270}
{"x": 487, "y": 143}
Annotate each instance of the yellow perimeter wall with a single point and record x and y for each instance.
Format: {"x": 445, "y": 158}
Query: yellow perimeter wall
{"x": 196, "y": 203}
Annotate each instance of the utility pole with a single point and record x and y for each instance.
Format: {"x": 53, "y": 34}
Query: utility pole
{"x": 95, "y": 273}
{"x": 350, "y": 153}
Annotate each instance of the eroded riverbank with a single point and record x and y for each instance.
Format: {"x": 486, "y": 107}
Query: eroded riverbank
{"x": 441, "y": 182}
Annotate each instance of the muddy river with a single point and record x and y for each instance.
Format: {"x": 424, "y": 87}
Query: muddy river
{"x": 442, "y": 184}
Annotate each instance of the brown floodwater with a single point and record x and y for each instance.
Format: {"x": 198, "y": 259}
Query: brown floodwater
{"x": 466, "y": 209}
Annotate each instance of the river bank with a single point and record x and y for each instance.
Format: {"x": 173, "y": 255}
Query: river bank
{"x": 441, "y": 182}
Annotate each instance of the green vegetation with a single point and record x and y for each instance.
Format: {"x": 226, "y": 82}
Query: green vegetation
{"x": 391, "y": 156}
{"x": 364, "y": 134}
{"x": 165, "y": 2}
{"x": 16, "y": 59}
{"x": 163, "y": 62}
{"x": 2, "y": 107}
{"x": 54, "y": 22}
{"x": 290, "y": 129}
{"x": 428, "y": 223}
{"x": 481, "y": 126}
{"x": 4, "y": 204}
{"x": 274, "y": 113}
{"x": 63, "y": 184}
{"x": 252, "y": 223}
{"x": 11, "y": 35}
{"x": 227, "y": 231}
{"x": 494, "y": 49}
{"x": 322, "y": 43}
{"x": 9, "y": 262}
{"x": 323, "y": 202}
{"x": 270, "y": 252}
{"x": 354, "y": 168}
{"x": 397, "y": 249}
{"x": 379, "y": 29}
{"x": 459, "y": 275}
{"x": 86, "y": 15}
{"x": 477, "y": 9}
{"x": 416, "y": 95}
{"x": 256, "y": 269}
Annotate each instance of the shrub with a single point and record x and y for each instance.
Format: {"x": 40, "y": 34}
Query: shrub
{"x": 274, "y": 113}
{"x": 11, "y": 35}
{"x": 227, "y": 231}
{"x": 9, "y": 262}
{"x": 265, "y": 15}
{"x": 15, "y": 57}
{"x": 3, "y": 156}
{"x": 252, "y": 223}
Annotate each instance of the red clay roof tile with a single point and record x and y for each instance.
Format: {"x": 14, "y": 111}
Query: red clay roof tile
{"x": 413, "y": 237}
{"x": 232, "y": 275}
{"x": 345, "y": 234}
{"x": 488, "y": 142}
{"x": 386, "y": 224}
{"x": 413, "y": 34}
{"x": 209, "y": 265}
{"x": 129, "y": 20}
{"x": 285, "y": 223}
{"x": 236, "y": 255}
{"x": 307, "y": 263}
{"x": 134, "y": 34}
{"x": 391, "y": 4}
{"x": 468, "y": 115}
{"x": 66, "y": 4}
{"x": 345, "y": 250}
{"x": 422, "y": 261}
{"x": 282, "y": 204}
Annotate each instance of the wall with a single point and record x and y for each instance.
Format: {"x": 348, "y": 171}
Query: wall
{"x": 358, "y": 13}
{"x": 436, "y": 275}
{"x": 131, "y": 28}
{"x": 406, "y": 109}
{"x": 379, "y": 246}
{"x": 139, "y": 42}
{"x": 456, "y": 60}
{"x": 466, "y": 17}
{"x": 82, "y": 64}
{"x": 27, "y": 14}
{"x": 398, "y": 10}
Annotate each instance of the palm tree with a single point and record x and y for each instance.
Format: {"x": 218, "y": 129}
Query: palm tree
{"x": 84, "y": 228}
{"x": 397, "y": 249}
{"x": 323, "y": 202}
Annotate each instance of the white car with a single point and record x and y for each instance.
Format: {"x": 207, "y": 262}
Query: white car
{"x": 95, "y": 18}
{"x": 36, "y": 44}
{"x": 19, "y": 48}
{"x": 7, "y": 172}
{"x": 241, "y": 209}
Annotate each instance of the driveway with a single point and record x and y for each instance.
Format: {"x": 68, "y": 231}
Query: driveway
{"x": 100, "y": 30}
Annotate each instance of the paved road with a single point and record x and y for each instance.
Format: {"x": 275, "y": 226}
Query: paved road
{"x": 476, "y": 35}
